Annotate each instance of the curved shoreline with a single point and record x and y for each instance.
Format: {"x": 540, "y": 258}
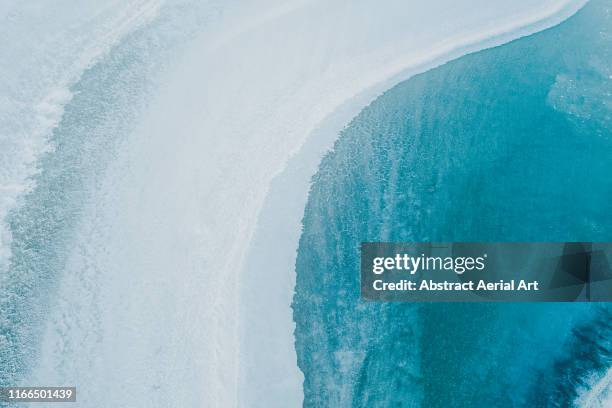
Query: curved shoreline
{"x": 193, "y": 228}
{"x": 279, "y": 222}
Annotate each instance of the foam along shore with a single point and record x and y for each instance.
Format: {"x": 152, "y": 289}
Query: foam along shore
{"x": 46, "y": 48}
{"x": 193, "y": 234}
{"x": 598, "y": 394}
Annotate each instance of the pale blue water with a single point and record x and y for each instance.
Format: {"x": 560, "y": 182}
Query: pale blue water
{"x": 106, "y": 100}
{"x": 508, "y": 144}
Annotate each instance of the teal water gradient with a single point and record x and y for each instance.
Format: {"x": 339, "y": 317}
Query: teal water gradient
{"x": 508, "y": 144}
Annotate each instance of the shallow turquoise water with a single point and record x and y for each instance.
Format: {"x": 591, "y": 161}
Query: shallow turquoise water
{"x": 508, "y": 144}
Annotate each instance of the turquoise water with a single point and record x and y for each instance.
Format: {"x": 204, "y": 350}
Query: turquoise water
{"x": 508, "y": 144}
